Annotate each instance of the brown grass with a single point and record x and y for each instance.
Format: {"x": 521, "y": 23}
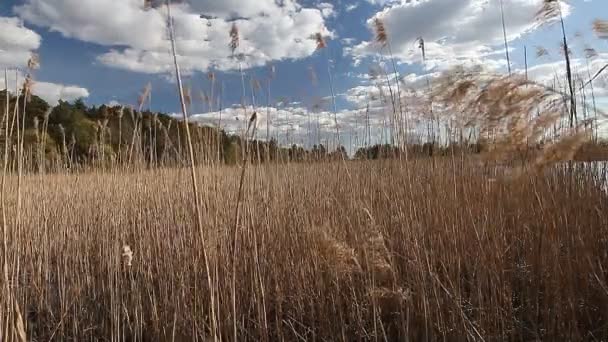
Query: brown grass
{"x": 440, "y": 249}
{"x": 440, "y": 253}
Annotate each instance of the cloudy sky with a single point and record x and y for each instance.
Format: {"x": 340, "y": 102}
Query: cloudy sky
{"x": 106, "y": 51}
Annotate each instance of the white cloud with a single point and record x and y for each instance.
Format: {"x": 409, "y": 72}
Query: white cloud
{"x": 16, "y": 43}
{"x": 347, "y": 41}
{"x": 375, "y": 93}
{"x": 53, "y": 92}
{"x": 454, "y": 31}
{"x": 13, "y": 35}
{"x": 384, "y": 2}
{"x": 294, "y": 124}
{"x": 109, "y": 22}
{"x": 327, "y": 9}
{"x": 543, "y": 73}
{"x": 378, "y": 97}
{"x": 351, "y": 7}
{"x": 48, "y": 91}
{"x": 546, "y": 73}
{"x": 269, "y": 30}
{"x": 241, "y": 8}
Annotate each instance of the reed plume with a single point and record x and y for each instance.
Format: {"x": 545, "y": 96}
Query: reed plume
{"x": 234, "y": 38}
{"x": 541, "y": 52}
{"x": 600, "y": 27}
{"x": 517, "y": 111}
{"x": 549, "y": 10}
{"x": 144, "y": 96}
{"x": 381, "y": 34}
{"x": 127, "y": 256}
{"x": 320, "y": 41}
{"x": 590, "y": 52}
{"x": 33, "y": 62}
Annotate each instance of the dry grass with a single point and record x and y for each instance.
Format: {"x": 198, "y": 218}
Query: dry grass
{"x": 438, "y": 249}
{"x": 396, "y": 252}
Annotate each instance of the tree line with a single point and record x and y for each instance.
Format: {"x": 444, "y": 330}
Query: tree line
{"x": 73, "y": 134}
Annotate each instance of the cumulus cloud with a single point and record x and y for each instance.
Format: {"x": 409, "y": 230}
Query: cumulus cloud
{"x": 327, "y": 9}
{"x": 53, "y": 92}
{"x": 454, "y": 31}
{"x": 375, "y": 96}
{"x": 48, "y": 91}
{"x": 269, "y": 30}
{"x": 110, "y": 22}
{"x": 16, "y": 43}
{"x": 545, "y": 73}
{"x": 245, "y": 9}
{"x": 294, "y": 124}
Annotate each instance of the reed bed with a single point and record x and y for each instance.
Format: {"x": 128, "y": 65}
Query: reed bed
{"x": 508, "y": 245}
{"x": 420, "y": 250}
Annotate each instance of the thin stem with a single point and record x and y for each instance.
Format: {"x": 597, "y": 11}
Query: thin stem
{"x": 593, "y": 101}
{"x": 504, "y": 32}
{"x": 568, "y": 71}
{"x": 268, "y": 121}
{"x": 333, "y": 100}
{"x": 405, "y": 116}
{"x": 197, "y": 200}
{"x": 526, "y": 61}
{"x": 2, "y": 196}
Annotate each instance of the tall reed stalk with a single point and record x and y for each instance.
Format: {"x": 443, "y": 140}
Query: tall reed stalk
{"x": 195, "y": 189}
{"x": 504, "y": 33}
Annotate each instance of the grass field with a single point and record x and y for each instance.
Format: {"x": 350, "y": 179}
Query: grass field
{"x": 386, "y": 251}
{"x": 465, "y": 206}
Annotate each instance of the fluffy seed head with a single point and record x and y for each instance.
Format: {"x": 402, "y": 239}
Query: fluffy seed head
{"x": 127, "y": 256}
{"x": 28, "y": 85}
{"x": 381, "y": 35}
{"x": 339, "y": 256}
{"x": 590, "y": 52}
{"x": 320, "y": 41}
{"x": 541, "y": 52}
{"x": 144, "y": 95}
{"x": 34, "y": 62}
{"x": 600, "y": 27}
{"x": 550, "y": 10}
{"x": 187, "y": 96}
{"x": 234, "y": 38}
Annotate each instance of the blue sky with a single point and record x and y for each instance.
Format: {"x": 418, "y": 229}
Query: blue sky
{"x": 72, "y": 61}
{"x": 107, "y": 51}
